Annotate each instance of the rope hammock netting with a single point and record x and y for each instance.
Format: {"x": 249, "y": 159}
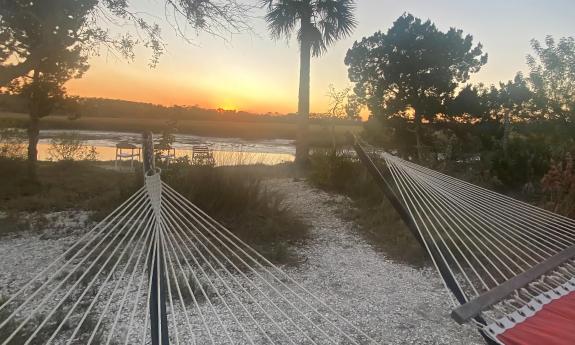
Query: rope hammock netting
{"x": 509, "y": 266}
{"x": 159, "y": 270}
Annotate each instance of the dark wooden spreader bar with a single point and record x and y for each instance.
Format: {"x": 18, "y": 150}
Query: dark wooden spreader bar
{"x": 469, "y": 310}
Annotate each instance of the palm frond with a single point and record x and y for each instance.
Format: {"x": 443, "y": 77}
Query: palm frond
{"x": 335, "y": 19}
{"x": 282, "y": 17}
{"x": 331, "y": 20}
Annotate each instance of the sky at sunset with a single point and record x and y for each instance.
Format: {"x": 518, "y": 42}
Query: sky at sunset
{"x": 253, "y": 73}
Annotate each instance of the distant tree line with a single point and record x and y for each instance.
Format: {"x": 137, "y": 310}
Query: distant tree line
{"x": 114, "y": 108}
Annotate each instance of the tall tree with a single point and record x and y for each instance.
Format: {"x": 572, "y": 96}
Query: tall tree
{"x": 552, "y": 77}
{"x": 319, "y": 23}
{"x": 45, "y": 43}
{"x": 413, "y": 67}
{"x": 51, "y": 30}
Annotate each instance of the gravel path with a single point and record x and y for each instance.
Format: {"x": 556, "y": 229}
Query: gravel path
{"x": 393, "y": 303}
{"x": 25, "y": 254}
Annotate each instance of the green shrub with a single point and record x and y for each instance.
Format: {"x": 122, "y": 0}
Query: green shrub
{"x": 71, "y": 147}
{"x": 332, "y": 169}
{"x": 558, "y": 186}
{"x": 524, "y": 162}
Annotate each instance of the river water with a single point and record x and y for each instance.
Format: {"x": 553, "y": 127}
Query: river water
{"x": 227, "y": 151}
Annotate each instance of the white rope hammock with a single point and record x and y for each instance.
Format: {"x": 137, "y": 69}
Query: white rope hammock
{"x": 218, "y": 289}
{"x": 486, "y": 242}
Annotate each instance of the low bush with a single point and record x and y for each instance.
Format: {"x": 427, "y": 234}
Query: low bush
{"x": 236, "y": 197}
{"x": 71, "y": 147}
{"x": 12, "y": 143}
{"x": 558, "y": 186}
{"x": 524, "y": 162}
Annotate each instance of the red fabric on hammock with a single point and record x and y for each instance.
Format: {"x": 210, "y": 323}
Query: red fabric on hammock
{"x": 552, "y": 325}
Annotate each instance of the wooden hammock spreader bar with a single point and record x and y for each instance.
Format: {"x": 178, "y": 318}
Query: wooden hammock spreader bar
{"x": 474, "y": 307}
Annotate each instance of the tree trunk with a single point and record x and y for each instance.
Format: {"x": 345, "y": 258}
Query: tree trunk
{"x": 419, "y": 147}
{"x": 33, "y": 131}
{"x": 302, "y": 140}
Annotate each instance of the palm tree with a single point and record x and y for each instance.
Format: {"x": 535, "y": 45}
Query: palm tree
{"x": 321, "y": 23}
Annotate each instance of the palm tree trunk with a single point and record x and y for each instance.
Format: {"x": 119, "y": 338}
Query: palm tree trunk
{"x": 302, "y": 140}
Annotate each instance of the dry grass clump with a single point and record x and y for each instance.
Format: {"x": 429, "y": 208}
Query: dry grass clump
{"x": 236, "y": 197}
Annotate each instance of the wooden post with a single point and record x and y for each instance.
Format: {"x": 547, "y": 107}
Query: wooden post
{"x": 158, "y": 314}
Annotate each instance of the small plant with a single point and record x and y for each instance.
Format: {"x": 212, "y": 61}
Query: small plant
{"x": 523, "y": 163}
{"x": 12, "y": 143}
{"x": 71, "y": 147}
{"x": 332, "y": 169}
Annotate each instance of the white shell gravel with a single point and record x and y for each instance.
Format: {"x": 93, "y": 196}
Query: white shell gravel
{"x": 393, "y": 303}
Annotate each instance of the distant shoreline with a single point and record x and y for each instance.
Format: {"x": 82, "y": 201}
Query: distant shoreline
{"x": 320, "y": 133}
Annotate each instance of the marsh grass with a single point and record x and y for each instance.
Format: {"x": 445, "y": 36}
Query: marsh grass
{"x": 319, "y": 134}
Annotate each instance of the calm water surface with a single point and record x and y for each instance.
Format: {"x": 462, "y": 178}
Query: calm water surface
{"x": 227, "y": 151}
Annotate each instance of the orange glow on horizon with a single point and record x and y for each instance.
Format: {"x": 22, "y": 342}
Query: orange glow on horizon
{"x": 168, "y": 96}
{"x": 149, "y": 87}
